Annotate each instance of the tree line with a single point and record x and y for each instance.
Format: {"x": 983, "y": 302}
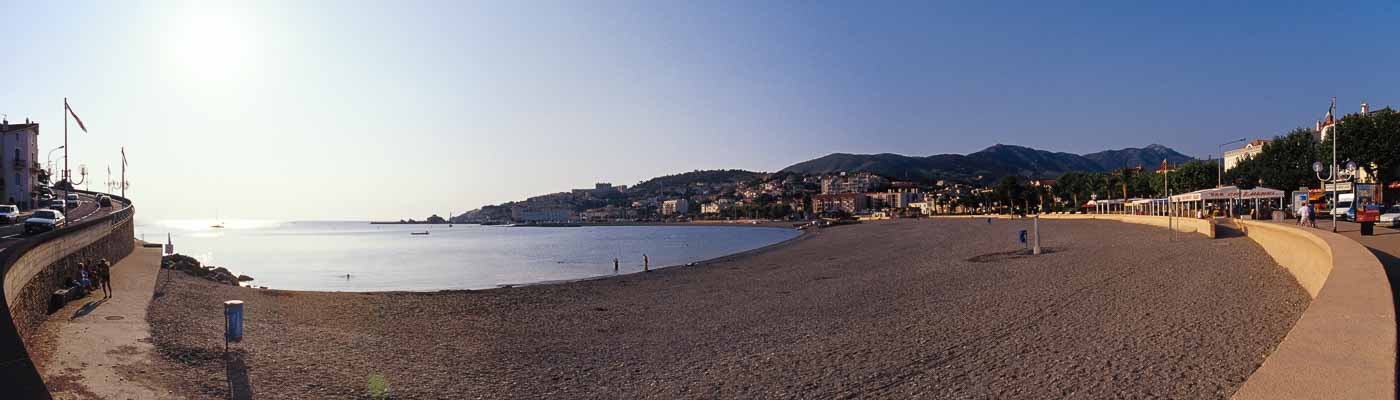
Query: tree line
{"x": 1372, "y": 141}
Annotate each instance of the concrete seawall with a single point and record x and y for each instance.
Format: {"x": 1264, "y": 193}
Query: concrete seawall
{"x": 38, "y": 272}
{"x": 31, "y": 269}
{"x": 1180, "y": 224}
{"x": 1344, "y": 345}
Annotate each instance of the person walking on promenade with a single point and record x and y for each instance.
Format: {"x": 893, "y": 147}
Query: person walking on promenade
{"x": 104, "y": 276}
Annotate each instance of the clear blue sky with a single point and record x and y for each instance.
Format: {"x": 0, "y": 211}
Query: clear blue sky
{"x": 351, "y": 110}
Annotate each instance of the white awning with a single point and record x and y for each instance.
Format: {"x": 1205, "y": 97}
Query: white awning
{"x": 1227, "y": 193}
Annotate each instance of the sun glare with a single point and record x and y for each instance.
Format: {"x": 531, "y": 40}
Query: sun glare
{"x": 211, "y": 45}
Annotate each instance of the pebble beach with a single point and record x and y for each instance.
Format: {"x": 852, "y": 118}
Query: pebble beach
{"x": 892, "y": 309}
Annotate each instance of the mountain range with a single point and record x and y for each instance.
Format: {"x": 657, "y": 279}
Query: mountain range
{"x": 989, "y": 164}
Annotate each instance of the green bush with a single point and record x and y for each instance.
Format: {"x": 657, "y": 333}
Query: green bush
{"x": 378, "y": 387}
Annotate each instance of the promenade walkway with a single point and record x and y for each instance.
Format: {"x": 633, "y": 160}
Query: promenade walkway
{"x": 99, "y": 345}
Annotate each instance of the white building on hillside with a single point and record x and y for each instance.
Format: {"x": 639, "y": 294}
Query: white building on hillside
{"x": 1251, "y": 149}
{"x": 19, "y": 155}
{"x": 677, "y": 206}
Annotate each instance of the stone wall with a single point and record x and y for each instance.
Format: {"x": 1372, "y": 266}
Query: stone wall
{"x": 41, "y": 270}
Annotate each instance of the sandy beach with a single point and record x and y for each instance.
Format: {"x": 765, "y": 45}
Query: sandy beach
{"x": 901, "y": 309}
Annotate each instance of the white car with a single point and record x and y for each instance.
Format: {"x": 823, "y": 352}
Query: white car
{"x": 1391, "y": 217}
{"x": 9, "y": 214}
{"x": 44, "y": 220}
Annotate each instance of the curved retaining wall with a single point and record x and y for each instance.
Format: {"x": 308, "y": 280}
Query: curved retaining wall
{"x": 1185, "y": 225}
{"x": 1344, "y": 344}
{"x": 31, "y": 270}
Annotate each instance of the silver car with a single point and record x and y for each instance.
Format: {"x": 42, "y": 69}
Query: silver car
{"x": 1391, "y": 217}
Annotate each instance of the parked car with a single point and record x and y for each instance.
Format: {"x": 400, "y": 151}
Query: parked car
{"x": 9, "y": 214}
{"x": 1391, "y": 217}
{"x": 58, "y": 204}
{"x": 72, "y": 199}
{"x": 104, "y": 201}
{"x": 44, "y": 220}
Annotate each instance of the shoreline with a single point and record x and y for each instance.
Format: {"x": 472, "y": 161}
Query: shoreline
{"x": 802, "y": 234}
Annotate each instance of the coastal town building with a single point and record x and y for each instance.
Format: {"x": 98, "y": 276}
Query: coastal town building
{"x": 710, "y": 208}
{"x": 675, "y": 207}
{"x": 19, "y": 155}
{"x": 849, "y": 203}
{"x": 851, "y": 183}
{"x": 1251, "y": 149}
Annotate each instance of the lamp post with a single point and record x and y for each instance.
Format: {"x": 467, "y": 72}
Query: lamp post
{"x": 1334, "y": 176}
{"x": 1220, "y": 168}
{"x": 50, "y": 161}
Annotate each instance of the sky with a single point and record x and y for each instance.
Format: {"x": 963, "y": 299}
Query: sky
{"x": 353, "y": 110}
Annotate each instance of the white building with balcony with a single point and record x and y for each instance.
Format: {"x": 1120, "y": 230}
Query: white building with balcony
{"x": 19, "y": 155}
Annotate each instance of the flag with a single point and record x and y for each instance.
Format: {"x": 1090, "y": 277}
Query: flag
{"x": 1330, "y": 111}
{"x": 75, "y": 115}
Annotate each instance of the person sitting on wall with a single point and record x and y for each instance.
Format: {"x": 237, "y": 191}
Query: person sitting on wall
{"x": 84, "y": 279}
{"x": 74, "y": 284}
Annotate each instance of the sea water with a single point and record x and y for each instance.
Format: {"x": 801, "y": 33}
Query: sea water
{"x": 318, "y": 255}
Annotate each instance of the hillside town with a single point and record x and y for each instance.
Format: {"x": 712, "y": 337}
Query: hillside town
{"x": 737, "y": 195}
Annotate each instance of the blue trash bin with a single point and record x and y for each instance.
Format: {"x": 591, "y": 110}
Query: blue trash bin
{"x": 233, "y": 320}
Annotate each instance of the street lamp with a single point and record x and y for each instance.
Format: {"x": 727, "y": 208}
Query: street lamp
{"x": 1220, "y": 168}
{"x": 1334, "y": 176}
{"x": 50, "y": 162}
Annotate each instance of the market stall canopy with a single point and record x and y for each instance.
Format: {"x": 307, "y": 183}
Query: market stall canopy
{"x": 1227, "y": 193}
{"x": 1148, "y": 201}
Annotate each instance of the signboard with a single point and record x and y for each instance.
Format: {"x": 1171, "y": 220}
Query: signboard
{"x": 1340, "y": 187}
{"x": 1365, "y": 193}
{"x": 1369, "y": 214}
{"x": 1299, "y": 199}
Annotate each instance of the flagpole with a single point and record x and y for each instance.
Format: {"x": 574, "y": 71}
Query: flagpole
{"x": 65, "y": 142}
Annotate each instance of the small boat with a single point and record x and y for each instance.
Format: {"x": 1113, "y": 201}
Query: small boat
{"x": 418, "y": 233}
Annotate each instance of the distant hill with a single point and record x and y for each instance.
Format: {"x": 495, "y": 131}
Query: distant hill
{"x": 689, "y": 178}
{"x": 988, "y": 164}
{"x": 1149, "y": 156}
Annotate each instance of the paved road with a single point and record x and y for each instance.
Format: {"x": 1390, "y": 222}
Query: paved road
{"x": 87, "y": 209}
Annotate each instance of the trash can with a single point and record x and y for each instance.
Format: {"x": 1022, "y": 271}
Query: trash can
{"x": 233, "y": 320}
{"x": 1368, "y": 228}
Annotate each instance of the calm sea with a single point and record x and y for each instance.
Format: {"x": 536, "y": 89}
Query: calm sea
{"x": 317, "y": 255}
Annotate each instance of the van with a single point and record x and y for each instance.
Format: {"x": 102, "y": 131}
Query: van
{"x": 1345, "y": 210}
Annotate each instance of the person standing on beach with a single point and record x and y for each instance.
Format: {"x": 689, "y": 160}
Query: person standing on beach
{"x": 646, "y": 263}
{"x": 615, "y": 265}
{"x": 104, "y": 277}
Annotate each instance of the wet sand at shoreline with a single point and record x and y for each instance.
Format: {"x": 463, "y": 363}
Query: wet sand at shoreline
{"x": 914, "y": 308}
